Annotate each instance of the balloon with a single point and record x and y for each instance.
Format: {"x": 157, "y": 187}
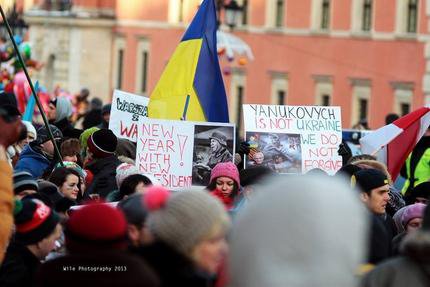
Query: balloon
{"x": 242, "y": 61}
{"x": 226, "y": 71}
{"x": 25, "y": 50}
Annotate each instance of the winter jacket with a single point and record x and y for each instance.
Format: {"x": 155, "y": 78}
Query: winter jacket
{"x": 410, "y": 269}
{"x": 19, "y": 267}
{"x": 417, "y": 166}
{"x": 104, "y": 172}
{"x": 173, "y": 268}
{"x": 6, "y": 206}
{"x": 32, "y": 161}
{"x": 126, "y": 271}
{"x": 67, "y": 129}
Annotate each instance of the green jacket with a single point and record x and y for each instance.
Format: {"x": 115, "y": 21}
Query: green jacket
{"x": 419, "y": 174}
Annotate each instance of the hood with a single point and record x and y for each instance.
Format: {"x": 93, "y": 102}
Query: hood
{"x": 64, "y": 108}
{"x": 29, "y": 152}
{"x": 299, "y": 231}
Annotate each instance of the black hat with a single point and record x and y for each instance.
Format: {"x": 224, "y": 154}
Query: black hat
{"x": 50, "y": 191}
{"x": 134, "y": 209}
{"x": 23, "y": 180}
{"x": 220, "y": 137}
{"x": 369, "y": 179}
{"x": 106, "y": 109}
{"x": 102, "y": 143}
{"x": 34, "y": 221}
{"x": 254, "y": 175}
{"x": 43, "y": 134}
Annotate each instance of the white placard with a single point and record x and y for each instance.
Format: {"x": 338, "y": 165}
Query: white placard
{"x": 181, "y": 153}
{"x": 127, "y": 109}
{"x": 293, "y": 139}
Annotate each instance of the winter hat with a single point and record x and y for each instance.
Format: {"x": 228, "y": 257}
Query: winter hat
{"x": 267, "y": 248}
{"x": 102, "y": 143}
{"x": 134, "y": 209}
{"x": 220, "y": 137}
{"x": 412, "y": 211}
{"x": 23, "y": 180}
{"x": 126, "y": 148}
{"x": 30, "y": 128}
{"x": 184, "y": 219}
{"x": 74, "y": 166}
{"x": 83, "y": 138}
{"x": 397, "y": 218}
{"x": 64, "y": 108}
{"x": 254, "y": 175}
{"x": 421, "y": 190}
{"x": 106, "y": 109}
{"x": 50, "y": 191}
{"x": 123, "y": 171}
{"x": 34, "y": 221}
{"x": 369, "y": 179}
{"x": 227, "y": 169}
{"x": 43, "y": 134}
{"x": 96, "y": 225}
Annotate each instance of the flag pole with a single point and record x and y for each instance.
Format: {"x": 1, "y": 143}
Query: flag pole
{"x": 184, "y": 114}
{"x": 21, "y": 61}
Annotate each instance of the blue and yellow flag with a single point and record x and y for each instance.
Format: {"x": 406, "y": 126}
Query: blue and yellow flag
{"x": 193, "y": 71}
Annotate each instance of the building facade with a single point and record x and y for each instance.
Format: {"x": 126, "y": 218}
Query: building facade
{"x": 367, "y": 56}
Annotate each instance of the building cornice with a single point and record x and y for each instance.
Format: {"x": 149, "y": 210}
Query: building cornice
{"x": 69, "y": 21}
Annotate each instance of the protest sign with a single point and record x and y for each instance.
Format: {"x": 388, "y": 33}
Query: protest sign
{"x": 293, "y": 139}
{"x": 180, "y": 153}
{"x": 126, "y": 111}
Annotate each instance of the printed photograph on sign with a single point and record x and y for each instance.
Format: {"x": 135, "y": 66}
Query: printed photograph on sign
{"x": 212, "y": 144}
{"x": 280, "y": 152}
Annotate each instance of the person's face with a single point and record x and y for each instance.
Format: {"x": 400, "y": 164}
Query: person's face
{"x": 225, "y": 185}
{"x": 48, "y": 244}
{"x": 72, "y": 158}
{"x": 421, "y": 200}
{"x": 414, "y": 224}
{"x": 209, "y": 254}
{"x": 377, "y": 200}
{"x": 70, "y": 187}
{"x": 215, "y": 145}
{"x": 258, "y": 157}
{"x": 278, "y": 159}
{"x": 52, "y": 112}
{"x": 275, "y": 140}
{"x": 106, "y": 117}
{"x": 140, "y": 188}
{"x": 48, "y": 148}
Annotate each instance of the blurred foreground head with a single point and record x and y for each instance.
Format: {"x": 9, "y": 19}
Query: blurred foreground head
{"x": 299, "y": 231}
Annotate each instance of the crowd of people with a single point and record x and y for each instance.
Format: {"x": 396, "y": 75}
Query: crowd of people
{"x": 92, "y": 217}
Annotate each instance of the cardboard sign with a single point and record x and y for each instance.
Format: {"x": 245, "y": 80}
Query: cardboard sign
{"x": 180, "y": 153}
{"x": 127, "y": 109}
{"x": 293, "y": 139}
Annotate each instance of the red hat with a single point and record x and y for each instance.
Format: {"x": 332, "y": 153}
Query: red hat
{"x": 96, "y": 226}
{"x": 227, "y": 169}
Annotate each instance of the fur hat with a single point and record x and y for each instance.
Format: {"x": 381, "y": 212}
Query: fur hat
{"x": 102, "y": 143}
{"x": 184, "y": 219}
{"x": 34, "y": 221}
{"x": 227, "y": 169}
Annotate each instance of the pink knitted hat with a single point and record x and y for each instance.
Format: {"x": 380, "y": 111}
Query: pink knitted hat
{"x": 227, "y": 169}
{"x": 413, "y": 211}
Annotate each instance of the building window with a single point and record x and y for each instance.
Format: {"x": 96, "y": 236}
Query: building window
{"x": 239, "y": 107}
{"x": 412, "y": 16}
{"x": 362, "y": 109}
{"x": 367, "y": 15}
{"x": 281, "y": 97}
{"x": 120, "y": 68}
{"x": 405, "y": 109}
{"x": 279, "y": 22}
{"x": 325, "y": 14}
{"x": 141, "y": 74}
{"x": 144, "y": 71}
{"x": 245, "y": 12}
{"x": 325, "y": 101}
{"x": 181, "y": 11}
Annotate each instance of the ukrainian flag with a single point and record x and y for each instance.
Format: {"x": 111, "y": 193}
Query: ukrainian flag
{"x": 193, "y": 71}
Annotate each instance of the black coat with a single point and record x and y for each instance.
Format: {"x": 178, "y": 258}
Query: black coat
{"x": 72, "y": 270}
{"x": 67, "y": 129}
{"x": 18, "y": 267}
{"x": 104, "y": 172}
{"x": 173, "y": 268}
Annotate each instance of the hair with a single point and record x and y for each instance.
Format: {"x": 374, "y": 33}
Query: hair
{"x": 212, "y": 186}
{"x": 356, "y": 158}
{"x": 70, "y": 147}
{"x": 59, "y": 176}
{"x": 391, "y": 118}
{"x": 129, "y": 184}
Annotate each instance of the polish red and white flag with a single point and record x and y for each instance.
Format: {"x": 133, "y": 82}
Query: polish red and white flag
{"x": 394, "y": 142}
